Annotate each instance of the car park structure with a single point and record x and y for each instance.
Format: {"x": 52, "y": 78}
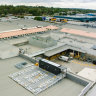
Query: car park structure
{"x": 44, "y": 73}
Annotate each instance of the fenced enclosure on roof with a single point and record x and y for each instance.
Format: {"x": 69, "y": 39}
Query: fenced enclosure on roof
{"x": 35, "y": 79}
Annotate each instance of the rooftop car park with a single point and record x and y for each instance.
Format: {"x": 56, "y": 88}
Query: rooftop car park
{"x": 32, "y": 79}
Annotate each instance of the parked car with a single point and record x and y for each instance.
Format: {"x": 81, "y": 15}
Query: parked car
{"x": 64, "y": 58}
{"x": 94, "y": 62}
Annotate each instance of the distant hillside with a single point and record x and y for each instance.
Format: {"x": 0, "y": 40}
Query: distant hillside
{"x": 40, "y": 10}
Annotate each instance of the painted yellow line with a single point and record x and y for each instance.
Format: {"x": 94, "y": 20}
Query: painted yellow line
{"x": 93, "y": 65}
{"x": 84, "y": 64}
{"x": 54, "y": 77}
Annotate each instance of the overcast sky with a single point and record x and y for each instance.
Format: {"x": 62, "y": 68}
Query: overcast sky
{"x": 88, "y": 4}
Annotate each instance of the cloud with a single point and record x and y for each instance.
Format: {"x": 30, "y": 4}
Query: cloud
{"x": 88, "y": 4}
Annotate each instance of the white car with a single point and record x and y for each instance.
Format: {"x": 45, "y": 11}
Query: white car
{"x": 64, "y": 58}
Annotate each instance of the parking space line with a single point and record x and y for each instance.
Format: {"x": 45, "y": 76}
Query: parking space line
{"x": 83, "y": 64}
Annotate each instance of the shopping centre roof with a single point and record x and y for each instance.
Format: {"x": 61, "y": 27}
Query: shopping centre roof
{"x": 79, "y": 32}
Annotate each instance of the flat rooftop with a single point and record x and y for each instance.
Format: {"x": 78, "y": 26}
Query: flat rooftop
{"x": 65, "y": 87}
{"x": 79, "y": 32}
{"x": 20, "y": 23}
{"x": 29, "y": 49}
{"x": 75, "y": 66}
{"x": 26, "y": 31}
{"x": 21, "y": 32}
{"x": 35, "y": 79}
{"x": 9, "y": 87}
{"x": 78, "y": 27}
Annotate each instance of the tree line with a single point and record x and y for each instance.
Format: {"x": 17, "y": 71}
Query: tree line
{"x": 39, "y": 10}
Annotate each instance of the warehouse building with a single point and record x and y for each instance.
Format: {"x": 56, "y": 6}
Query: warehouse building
{"x": 25, "y": 31}
{"x": 79, "y": 18}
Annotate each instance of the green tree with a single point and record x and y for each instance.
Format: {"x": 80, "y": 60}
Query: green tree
{"x": 39, "y": 10}
{"x": 38, "y": 18}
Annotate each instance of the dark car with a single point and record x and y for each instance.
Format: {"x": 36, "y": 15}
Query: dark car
{"x": 94, "y": 62}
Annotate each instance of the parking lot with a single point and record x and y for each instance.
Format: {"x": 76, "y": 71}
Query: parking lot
{"x": 75, "y": 65}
